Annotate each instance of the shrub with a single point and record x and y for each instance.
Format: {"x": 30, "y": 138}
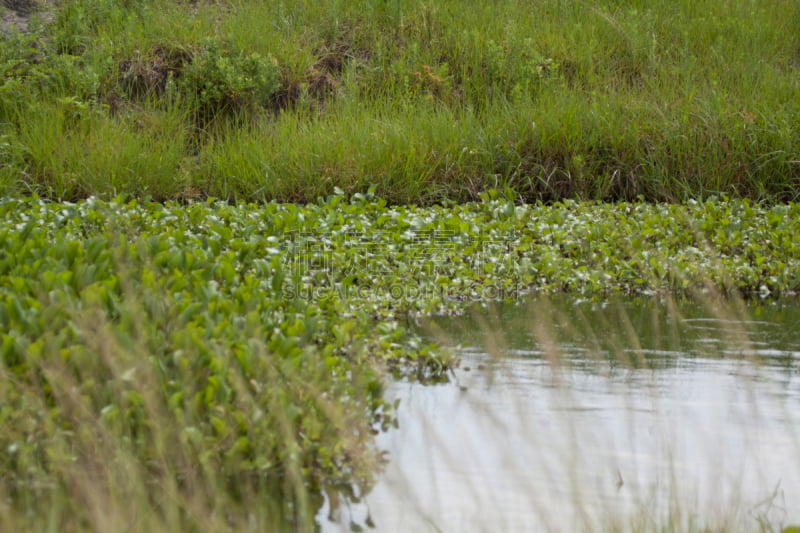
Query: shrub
{"x": 222, "y": 81}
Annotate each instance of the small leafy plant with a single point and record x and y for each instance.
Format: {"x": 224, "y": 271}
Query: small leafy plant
{"x": 219, "y": 80}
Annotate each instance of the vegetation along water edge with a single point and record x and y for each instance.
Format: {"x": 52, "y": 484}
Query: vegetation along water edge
{"x": 234, "y": 353}
{"x": 220, "y": 220}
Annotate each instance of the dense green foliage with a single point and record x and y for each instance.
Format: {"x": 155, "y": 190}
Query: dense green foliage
{"x": 166, "y": 337}
{"x": 252, "y": 101}
{"x": 238, "y": 348}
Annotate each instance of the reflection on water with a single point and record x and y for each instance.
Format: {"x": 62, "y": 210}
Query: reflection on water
{"x": 586, "y": 416}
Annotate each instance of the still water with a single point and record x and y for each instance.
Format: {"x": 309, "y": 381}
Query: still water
{"x": 572, "y": 415}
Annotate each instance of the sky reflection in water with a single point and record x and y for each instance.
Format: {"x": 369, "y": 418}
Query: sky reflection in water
{"x": 654, "y": 410}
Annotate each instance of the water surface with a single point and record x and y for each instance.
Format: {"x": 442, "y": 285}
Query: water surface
{"x": 577, "y": 415}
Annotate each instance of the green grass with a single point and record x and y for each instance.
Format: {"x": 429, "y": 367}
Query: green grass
{"x": 426, "y": 101}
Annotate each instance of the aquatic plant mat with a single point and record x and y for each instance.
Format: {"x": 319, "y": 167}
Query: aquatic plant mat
{"x": 209, "y": 366}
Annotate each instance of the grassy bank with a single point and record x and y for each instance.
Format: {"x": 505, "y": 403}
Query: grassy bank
{"x": 252, "y": 101}
{"x": 233, "y": 357}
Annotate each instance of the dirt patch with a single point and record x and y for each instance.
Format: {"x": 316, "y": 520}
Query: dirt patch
{"x": 321, "y": 79}
{"x": 22, "y": 7}
{"x": 146, "y": 74}
{"x": 16, "y": 15}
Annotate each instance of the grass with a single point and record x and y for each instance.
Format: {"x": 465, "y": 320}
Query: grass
{"x": 427, "y": 102}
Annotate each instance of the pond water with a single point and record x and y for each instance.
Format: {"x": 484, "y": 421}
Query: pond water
{"x": 575, "y": 415}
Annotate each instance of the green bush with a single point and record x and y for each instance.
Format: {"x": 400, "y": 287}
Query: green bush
{"x": 219, "y": 80}
{"x": 31, "y": 73}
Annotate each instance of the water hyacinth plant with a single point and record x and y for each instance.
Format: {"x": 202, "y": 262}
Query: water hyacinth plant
{"x": 230, "y": 355}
